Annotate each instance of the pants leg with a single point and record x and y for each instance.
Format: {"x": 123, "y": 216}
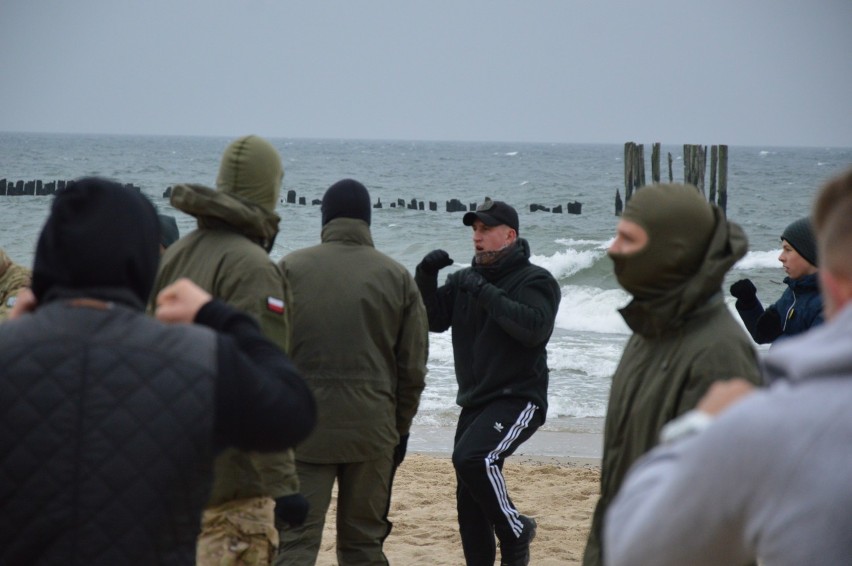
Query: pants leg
{"x": 300, "y": 545}
{"x": 485, "y": 437}
{"x": 238, "y": 533}
{"x": 363, "y": 502}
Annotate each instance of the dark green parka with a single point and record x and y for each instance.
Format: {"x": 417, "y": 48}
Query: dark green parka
{"x": 682, "y": 342}
{"x": 360, "y": 339}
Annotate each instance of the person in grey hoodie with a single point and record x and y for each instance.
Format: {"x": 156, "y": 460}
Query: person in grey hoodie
{"x": 758, "y": 475}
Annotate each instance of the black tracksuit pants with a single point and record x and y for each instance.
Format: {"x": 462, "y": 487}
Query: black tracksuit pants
{"x": 485, "y": 436}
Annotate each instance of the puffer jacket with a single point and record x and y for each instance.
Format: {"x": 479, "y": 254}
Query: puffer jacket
{"x": 798, "y": 309}
{"x": 360, "y": 338}
{"x": 500, "y": 337}
{"x": 98, "y": 385}
{"x": 682, "y": 342}
{"x": 225, "y": 257}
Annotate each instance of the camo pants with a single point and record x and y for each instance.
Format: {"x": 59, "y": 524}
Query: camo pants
{"x": 238, "y": 533}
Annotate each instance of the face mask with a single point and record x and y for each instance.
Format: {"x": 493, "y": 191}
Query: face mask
{"x": 679, "y": 224}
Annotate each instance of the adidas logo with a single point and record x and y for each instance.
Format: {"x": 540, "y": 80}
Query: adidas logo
{"x": 498, "y": 427}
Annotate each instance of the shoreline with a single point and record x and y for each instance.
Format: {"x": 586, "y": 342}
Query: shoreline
{"x": 545, "y": 446}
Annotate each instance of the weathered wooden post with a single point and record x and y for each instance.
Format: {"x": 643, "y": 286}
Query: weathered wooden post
{"x": 639, "y": 167}
{"x": 723, "y": 177}
{"x": 629, "y": 148}
{"x": 655, "y": 163}
{"x": 714, "y": 157}
{"x": 619, "y": 206}
{"x": 671, "y": 177}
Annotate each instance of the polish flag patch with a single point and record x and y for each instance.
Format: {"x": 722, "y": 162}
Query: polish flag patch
{"x": 275, "y": 305}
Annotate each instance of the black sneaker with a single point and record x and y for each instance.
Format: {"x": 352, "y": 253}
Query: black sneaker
{"x": 516, "y": 552}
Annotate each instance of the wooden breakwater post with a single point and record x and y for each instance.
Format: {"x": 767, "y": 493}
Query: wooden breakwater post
{"x": 694, "y": 169}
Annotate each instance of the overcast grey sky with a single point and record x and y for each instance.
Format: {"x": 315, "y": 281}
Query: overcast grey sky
{"x": 741, "y": 72}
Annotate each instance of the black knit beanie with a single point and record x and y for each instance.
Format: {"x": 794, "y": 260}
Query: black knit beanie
{"x": 99, "y": 234}
{"x": 800, "y": 235}
{"x": 346, "y": 199}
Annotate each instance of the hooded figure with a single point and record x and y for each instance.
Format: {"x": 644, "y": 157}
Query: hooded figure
{"x": 110, "y": 419}
{"x": 228, "y": 256}
{"x": 684, "y": 338}
{"x": 100, "y": 236}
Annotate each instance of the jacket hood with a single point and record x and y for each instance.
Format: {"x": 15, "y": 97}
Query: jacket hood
{"x": 224, "y": 211}
{"x": 99, "y": 234}
{"x": 821, "y": 352}
{"x": 652, "y": 317}
{"x": 251, "y": 170}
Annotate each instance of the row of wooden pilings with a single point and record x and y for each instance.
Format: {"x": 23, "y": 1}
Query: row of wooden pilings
{"x": 38, "y": 187}
{"x": 452, "y": 205}
{"x": 694, "y": 168}
{"x": 42, "y": 188}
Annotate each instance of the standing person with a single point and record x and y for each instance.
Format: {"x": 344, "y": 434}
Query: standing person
{"x": 228, "y": 256}
{"x": 800, "y": 306}
{"x": 502, "y": 311}
{"x": 766, "y": 476}
{"x": 13, "y": 278}
{"x": 360, "y": 336}
{"x": 111, "y": 419}
{"x": 671, "y": 252}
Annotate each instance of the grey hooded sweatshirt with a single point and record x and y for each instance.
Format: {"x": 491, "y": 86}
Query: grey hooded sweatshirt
{"x": 768, "y": 480}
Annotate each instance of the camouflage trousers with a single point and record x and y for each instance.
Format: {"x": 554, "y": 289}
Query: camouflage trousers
{"x": 238, "y": 533}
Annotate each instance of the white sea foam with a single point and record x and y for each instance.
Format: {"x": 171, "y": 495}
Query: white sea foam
{"x": 511, "y": 153}
{"x": 591, "y": 309}
{"x": 567, "y": 263}
{"x": 758, "y": 260}
{"x": 570, "y": 242}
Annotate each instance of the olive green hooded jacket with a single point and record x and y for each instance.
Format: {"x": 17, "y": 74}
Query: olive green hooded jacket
{"x": 228, "y": 256}
{"x": 683, "y": 341}
{"x": 360, "y": 339}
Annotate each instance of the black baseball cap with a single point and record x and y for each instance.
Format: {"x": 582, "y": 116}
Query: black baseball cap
{"x": 493, "y": 213}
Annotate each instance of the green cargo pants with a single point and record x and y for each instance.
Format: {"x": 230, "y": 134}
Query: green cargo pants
{"x": 363, "y": 502}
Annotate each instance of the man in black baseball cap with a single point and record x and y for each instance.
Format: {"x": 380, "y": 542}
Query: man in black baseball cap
{"x": 502, "y": 310}
{"x": 493, "y": 213}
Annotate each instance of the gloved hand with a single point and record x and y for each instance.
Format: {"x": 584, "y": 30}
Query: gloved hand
{"x": 292, "y": 509}
{"x": 399, "y": 450}
{"x": 745, "y": 292}
{"x": 471, "y": 282}
{"x": 769, "y": 326}
{"x": 434, "y": 261}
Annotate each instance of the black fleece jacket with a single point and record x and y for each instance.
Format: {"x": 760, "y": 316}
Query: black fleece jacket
{"x": 500, "y": 336}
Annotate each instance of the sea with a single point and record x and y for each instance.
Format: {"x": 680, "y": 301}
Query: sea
{"x": 768, "y": 187}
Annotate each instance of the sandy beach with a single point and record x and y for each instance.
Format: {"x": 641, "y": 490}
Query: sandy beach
{"x": 559, "y": 492}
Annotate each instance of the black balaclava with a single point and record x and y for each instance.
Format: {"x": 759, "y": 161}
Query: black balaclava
{"x": 679, "y": 224}
{"x": 346, "y": 199}
{"x": 99, "y": 234}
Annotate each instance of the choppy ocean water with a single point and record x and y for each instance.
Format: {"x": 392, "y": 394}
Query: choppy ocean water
{"x": 768, "y": 188}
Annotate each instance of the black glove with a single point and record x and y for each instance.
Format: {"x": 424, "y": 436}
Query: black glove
{"x": 769, "y": 326}
{"x": 434, "y": 261}
{"x": 399, "y": 451}
{"x": 745, "y": 292}
{"x": 292, "y": 509}
{"x": 471, "y": 281}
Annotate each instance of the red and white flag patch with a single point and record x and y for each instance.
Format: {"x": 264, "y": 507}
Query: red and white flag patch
{"x": 275, "y": 305}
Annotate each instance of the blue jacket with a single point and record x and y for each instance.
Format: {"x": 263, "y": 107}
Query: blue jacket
{"x": 798, "y": 309}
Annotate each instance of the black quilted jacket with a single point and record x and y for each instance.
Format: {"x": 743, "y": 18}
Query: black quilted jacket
{"x": 106, "y": 439}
